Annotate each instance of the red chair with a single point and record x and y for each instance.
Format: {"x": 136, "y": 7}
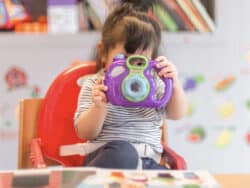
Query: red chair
{"x": 46, "y": 125}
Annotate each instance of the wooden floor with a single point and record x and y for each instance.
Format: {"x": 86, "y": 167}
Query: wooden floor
{"x": 233, "y": 180}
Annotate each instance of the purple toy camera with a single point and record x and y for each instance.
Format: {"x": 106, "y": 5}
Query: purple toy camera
{"x": 131, "y": 83}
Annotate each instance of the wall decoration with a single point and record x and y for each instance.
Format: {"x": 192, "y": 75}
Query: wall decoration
{"x": 15, "y": 77}
{"x": 247, "y": 137}
{"x": 197, "y": 134}
{"x": 225, "y": 137}
{"x": 7, "y": 135}
{"x": 36, "y": 91}
{"x": 199, "y": 78}
{"x": 226, "y": 110}
{"x": 192, "y": 82}
{"x": 3, "y": 110}
{"x": 191, "y": 109}
{"x": 225, "y": 83}
{"x": 8, "y": 123}
{"x": 248, "y": 104}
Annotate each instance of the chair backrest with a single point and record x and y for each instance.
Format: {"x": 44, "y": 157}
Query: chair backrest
{"x": 51, "y": 118}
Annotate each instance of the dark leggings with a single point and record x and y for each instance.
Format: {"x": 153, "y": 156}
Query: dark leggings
{"x": 118, "y": 155}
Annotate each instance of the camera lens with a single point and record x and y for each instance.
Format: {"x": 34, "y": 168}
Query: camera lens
{"x": 135, "y": 86}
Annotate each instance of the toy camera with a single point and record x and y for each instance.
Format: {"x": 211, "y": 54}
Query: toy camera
{"x": 131, "y": 82}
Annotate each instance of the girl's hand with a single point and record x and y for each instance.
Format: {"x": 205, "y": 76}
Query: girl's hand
{"x": 98, "y": 93}
{"x": 168, "y": 69}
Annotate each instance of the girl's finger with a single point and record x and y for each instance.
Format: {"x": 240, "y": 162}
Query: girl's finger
{"x": 100, "y": 80}
{"x": 163, "y": 64}
{"x": 97, "y": 99}
{"x": 98, "y": 93}
{"x": 100, "y": 87}
{"x": 166, "y": 70}
{"x": 161, "y": 58}
{"x": 170, "y": 75}
{"x": 100, "y": 97}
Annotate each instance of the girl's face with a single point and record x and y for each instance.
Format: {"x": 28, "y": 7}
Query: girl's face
{"x": 119, "y": 49}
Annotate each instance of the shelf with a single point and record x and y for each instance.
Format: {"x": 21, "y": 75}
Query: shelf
{"x": 84, "y": 39}
{"x": 79, "y": 40}
{"x": 12, "y": 40}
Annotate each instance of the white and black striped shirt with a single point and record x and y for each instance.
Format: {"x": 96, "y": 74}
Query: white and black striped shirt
{"x": 135, "y": 125}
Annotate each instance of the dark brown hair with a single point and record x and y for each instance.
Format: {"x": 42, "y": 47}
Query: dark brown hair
{"x": 130, "y": 24}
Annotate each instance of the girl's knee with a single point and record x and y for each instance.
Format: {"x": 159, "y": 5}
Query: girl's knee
{"x": 122, "y": 147}
{"x": 124, "y": 155}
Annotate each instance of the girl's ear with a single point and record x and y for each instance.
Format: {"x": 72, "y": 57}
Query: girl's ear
{"x": 102, "y": 53}
{"x": 100, "y": 45}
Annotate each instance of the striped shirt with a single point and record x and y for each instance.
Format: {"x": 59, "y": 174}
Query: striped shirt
{"x": 135, "y": 125}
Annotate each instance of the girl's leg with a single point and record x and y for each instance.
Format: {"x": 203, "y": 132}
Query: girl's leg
{"x": 148, "y": 163}
{"x": 114, "y": 154}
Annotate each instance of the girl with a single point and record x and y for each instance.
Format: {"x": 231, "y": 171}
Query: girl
{"x": 122, "y": 137}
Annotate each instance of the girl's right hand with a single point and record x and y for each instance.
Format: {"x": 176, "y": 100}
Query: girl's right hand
{"x": 98, "y": 93}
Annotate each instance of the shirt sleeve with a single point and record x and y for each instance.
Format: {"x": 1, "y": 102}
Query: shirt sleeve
{"x": 84, "y": 98}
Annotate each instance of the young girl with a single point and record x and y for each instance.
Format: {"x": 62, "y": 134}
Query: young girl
{"x": 121, "y": 137}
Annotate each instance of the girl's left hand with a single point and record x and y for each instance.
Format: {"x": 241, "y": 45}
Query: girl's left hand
{"x": 168, "y": 69}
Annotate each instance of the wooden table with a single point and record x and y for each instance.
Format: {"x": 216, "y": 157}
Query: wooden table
{"x": 233, "y": 180}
